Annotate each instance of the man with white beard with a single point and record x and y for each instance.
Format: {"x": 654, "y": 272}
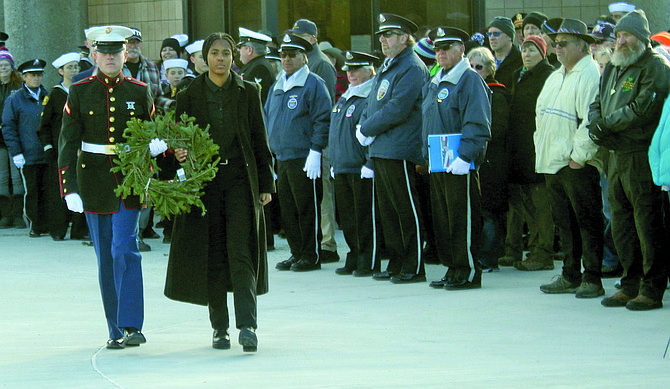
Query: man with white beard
{"x": 623, "y": 118}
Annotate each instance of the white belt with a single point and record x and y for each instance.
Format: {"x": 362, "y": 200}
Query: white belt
{"x": 98, "y": 149}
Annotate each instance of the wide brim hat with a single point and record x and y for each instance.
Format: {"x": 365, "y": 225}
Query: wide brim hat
{"x": 550, "y": 26}
{"x": 574, "y": 27}
{"x": 389, "y": 22}
{"x": 356, "y": 59}
{"x": 442, "y": 36}
{"x": 32, "y": 66}
{"x": 293, "y": 42}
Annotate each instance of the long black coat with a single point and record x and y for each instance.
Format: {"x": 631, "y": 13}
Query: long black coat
{"x": 187, "y": 267}
{"x": 521, "y": 146}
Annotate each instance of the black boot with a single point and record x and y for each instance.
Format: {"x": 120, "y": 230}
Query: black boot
{"x": 6, "y": 211}
{"x": 17, "y": 211}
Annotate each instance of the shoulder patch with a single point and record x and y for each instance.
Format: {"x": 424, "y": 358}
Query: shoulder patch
{"x": 45, "y": 101}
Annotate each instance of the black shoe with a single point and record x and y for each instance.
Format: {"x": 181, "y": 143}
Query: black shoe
{"x": 114, "y": 344}
{"x": 150, "y": 234}
{"x": 305, "y": 265}
{"x": 221, "y": 340}
{"x": 167, "y": 240}
{"x": 407, "y": 278}
{"x": 286, "y": 265}
{"x": 57, "y": 238}
{"x": 34, "y": 234}
{"x": 362, "y": 273}
{"x": 143, "y": 246}
{"x": 328, "y": 256}
{"x": 440, "y": 284}
{"x": 344, "y": 271}
{"x": 248, "y": 339}
{"x": 458, "y": 283}
{"x": 383, "y": 276}
{"x": 132, "y": 337}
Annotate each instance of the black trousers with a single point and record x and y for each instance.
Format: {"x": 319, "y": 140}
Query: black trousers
{"x": 457, "y": 221}
{"x": 300, "y": 202}
{"x": 36, "y": 181}
{"x": 354, "y": 198}
{"x": 639, "y": 234}
{"x": 230, "y": 215}
{"x": 399, "y": 211}
{"x": 576, "y": 203}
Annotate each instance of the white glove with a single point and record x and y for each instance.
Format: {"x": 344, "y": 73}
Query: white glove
{"x": 74, "y": 203}
{"x": 157, "y": 146}
{"x": 366, "y": 172}
{"x": 19, "y": 161}
{"x": 362, "y": 139}
{"x": 313, "y": 165}
{"x": 459, "y": 167}
{"x": 332, "y": 172}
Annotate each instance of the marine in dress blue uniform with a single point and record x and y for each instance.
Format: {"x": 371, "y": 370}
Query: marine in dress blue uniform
{"x": 94, "y": 119}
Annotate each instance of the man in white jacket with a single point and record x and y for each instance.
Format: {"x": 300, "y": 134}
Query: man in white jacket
{"x": 567, "y": 157}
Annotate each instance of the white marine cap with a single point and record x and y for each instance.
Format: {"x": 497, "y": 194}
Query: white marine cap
{"x": 66, "y": 58}
{"x": 181, "y": 38}
{"x": 195, "y": 47}
{"x": 175, "y": 63}
{"x": 621, "y": 7}
{"x": 109, "y": 39}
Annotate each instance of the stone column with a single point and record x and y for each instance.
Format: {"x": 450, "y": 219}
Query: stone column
{"x": 45, "y": 30}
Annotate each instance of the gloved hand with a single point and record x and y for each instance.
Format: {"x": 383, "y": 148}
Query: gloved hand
{"x": 313, "y": 165}
{"x": 157, "y": 146}
{"x": 332, "y": 172}
{"x": 366, "y": 172}
{"x": 362, "y": 139}
{"x": 598, "y": 133}
{"x": 74, "y": 203}
{"x": 19, "y": 161}
{"x": 459, "y": 167}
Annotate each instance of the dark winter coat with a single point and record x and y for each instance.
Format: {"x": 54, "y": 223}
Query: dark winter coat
{"x": 52, "y": 120}
{"x": 506, "y": 70}
{"x": 187, "y": 267}
{"x": 20, "y": 120}
{"x": 520, "y": 145}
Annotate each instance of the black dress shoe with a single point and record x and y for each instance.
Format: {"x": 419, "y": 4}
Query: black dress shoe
{"x": 221, "y": 340}
{"x": 57, "y": 238}
{"x": 286, "y": 264}
{"x": 34, "y": 234}
{"x": 114, "y": 344}
{"x": 408, "y": 278}
{"x": 362, "y": 273}
{"x": 248, "y": 339}
{"x": 383, "y": 276}
{"x": 439, "y": 284}
{"x": 462, "y": 283}
{"x": 132, "y": 337}
{"x": 150, "y": 234}
{"x": 305, "y": 265}
{"x": 344, "y": 271}
{"x": 328, "y": 256}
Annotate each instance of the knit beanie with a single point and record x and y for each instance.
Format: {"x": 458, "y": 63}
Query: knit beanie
{"x": 535, "y": 18}
{"x": 539, "y": 42}
{"x": 171, "y": 42}
{"x": 637, "y": 24}
{"x": 6, "y": 55}
{"x": 424, "y": 48}
{"x": 504, "y": 24}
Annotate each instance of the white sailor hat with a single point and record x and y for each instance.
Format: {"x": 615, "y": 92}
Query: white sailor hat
{"x": 32, "y": 66}
{"x": 175, "y": 63}
{"x": 109, "y": 39}
{"x": 195, "y": 47}
{"x": 181, "y": 38}
{"x": 621, "y": 7}
{"x": 247, "y": 35}
{"x": 66, "y": 58}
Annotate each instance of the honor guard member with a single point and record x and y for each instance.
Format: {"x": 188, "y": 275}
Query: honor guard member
{"x": 94, "y": 119}
{"x": 457, "y": 101}
{"x": 352, "y": 169}
{"x": 297, "y": 114}
{"x": 252, "y": 48}
{"x": 391, "y": 126}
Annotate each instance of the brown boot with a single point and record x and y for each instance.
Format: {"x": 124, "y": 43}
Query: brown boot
{"x": 643, "y": 303}
{"x": 618, "y": 299}
{"x": 534, "y": 265}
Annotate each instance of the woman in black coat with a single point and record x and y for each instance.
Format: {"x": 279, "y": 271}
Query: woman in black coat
{"x": 224, "y": 251}
{"x": 529, "y": 199}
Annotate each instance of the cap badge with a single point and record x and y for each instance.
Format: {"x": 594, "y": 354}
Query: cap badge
{"x": 295, "y": 26}
{"x": 108, "y": 30}
{"x": 349, "y": 56}
{"x": 287, "y": 38}
{"x": 36, "y": 62}
{"x": 382, "y": 18}
{"x": 440, "y": 32}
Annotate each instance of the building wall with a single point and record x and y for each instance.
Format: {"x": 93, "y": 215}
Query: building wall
{"x": 156, "y": 19}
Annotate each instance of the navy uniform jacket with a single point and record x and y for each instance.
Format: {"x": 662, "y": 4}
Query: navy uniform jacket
{"x": 20, "y": 120}
{"x": 52, "y": 116}
{"x": 346, "y": 153}
{"x": 393, "y": 113}
{"x": 259, "y": 71}
{"x": 458, "y": 102}
{"x": 96, "y": 112}
{"x": 298, "y": 118}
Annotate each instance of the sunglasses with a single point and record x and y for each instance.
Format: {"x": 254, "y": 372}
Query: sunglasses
{"x": 494, "y": 34}
{"x": 446, "y": 47}
{"x": 477, "y": 67}
{"x": 564, "y": 43}
{"x": 290, "y": 54}
{"x": 388, "y": 34}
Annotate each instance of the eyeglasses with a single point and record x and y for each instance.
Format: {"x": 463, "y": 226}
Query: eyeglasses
{"x": 495, "y": 34}
{"x": 388, "y": 34}
{"x": 290, "y": 54}
{"x": 446, "y": 47}
{"x": 477, "y": 67}
{"x": 564, "y": 43}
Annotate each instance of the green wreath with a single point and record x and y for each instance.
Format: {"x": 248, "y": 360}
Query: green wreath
{"x": 134, "y": 161}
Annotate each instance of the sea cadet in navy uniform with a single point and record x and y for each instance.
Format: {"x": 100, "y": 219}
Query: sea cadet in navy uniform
{"x": 391, "y": 126}
{"x": 94, "y": 119}
{"x": 252, "y": 48}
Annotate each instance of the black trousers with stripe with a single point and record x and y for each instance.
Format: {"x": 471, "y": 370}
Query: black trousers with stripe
{"x": 399, "y": 212}
{"x": 300, "y": 202}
